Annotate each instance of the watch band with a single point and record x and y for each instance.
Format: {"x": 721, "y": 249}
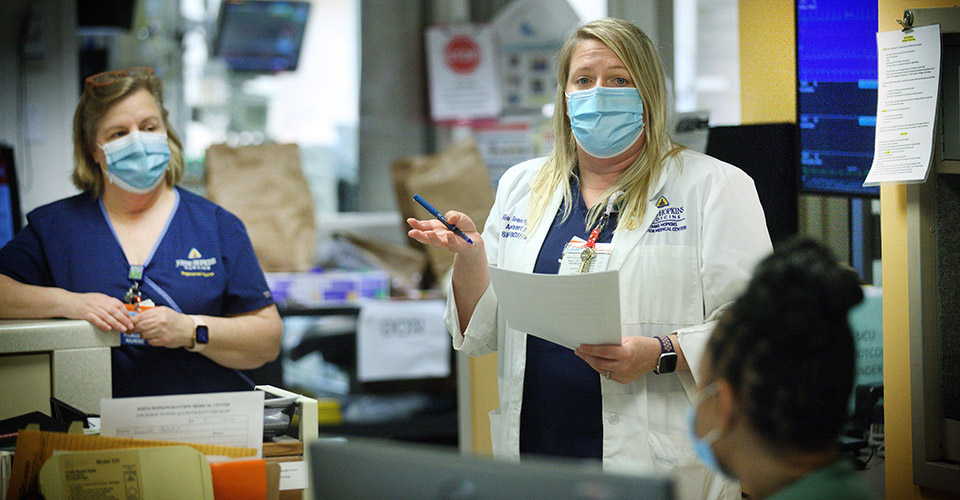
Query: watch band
{"x": 200, "y": 334}
{"x": 666, "y": 345}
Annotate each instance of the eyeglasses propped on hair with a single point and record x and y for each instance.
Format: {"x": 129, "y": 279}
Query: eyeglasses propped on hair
{"x": 111, "y": 77}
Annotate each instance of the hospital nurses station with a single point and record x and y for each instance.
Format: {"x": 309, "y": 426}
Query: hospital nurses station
{"x": 605, "y": 249}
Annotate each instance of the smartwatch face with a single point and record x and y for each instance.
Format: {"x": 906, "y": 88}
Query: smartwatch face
{"x": 668, "y": 362}
{"x": 202, "y": 336}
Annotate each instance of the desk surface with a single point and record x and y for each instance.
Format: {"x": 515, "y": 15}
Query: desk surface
{"x": 31, "y": 335}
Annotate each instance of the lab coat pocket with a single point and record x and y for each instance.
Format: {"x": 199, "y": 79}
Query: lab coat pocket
{"x": 661, "y": 285}
{"x": 669, "y": 451}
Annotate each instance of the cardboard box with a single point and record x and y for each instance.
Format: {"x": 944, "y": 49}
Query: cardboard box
{"x": 35, "y": 447}
{"x": 129, "y": 473}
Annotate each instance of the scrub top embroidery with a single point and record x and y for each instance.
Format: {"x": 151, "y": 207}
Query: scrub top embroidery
{"x": 203, "y": 263}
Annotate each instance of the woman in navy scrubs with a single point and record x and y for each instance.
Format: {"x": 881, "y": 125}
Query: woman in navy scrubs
{"x": 132, "y": 237}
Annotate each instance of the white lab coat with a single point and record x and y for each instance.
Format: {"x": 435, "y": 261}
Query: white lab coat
{"x": 679, "y": 266}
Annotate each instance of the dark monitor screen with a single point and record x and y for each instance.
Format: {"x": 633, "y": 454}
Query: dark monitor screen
{"x": 116, "y": 14}
{"x": 836, "y": 94}
{"x": 263, "y": 36}
{"x": 9, "y": 198}
{"x": 767, "y": 152}
{"x": 380, "y": 470}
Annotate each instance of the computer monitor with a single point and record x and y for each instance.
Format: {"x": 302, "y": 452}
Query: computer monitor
{"x": 361, "y": 468}
{"x": 10, "y": 221}
{"x": 767, "y": 152}
{"x": 836, "y": 95}
{"x": 261, "y": 36}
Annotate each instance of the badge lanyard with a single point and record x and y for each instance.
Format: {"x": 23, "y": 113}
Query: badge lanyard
{"x": 589, "y": 250}
{"x": 611, "y": 208}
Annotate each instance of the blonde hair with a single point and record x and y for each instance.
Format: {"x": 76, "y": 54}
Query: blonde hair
{"x": 94, "y": 103}
{"x": 641, "y": 59}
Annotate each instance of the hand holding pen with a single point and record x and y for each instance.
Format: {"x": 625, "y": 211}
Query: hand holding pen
{"x": 425, "y": 232}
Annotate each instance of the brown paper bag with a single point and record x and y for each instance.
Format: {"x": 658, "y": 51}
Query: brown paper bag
{"x": 454, "y": 179}
{"x": 264, "y": 186}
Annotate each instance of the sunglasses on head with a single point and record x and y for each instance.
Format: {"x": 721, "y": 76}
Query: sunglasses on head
{"x": 111, "y": 77}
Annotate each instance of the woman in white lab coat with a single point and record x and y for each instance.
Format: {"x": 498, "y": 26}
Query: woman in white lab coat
{"x": 683, "y": 229}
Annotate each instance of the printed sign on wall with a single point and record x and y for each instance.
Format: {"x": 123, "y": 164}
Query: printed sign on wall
{"x": 402, "y": 340}
{"x": 462, "y": 67}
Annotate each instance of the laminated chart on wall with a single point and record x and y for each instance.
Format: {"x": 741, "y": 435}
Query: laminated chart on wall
{"x": 529, "y": 34}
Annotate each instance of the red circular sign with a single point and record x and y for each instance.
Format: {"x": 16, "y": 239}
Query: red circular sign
{"x": 462, "y": 54}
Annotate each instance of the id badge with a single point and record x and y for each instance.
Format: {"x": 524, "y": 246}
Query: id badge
{"x": 572, "y": 261}
{"x": 133, "y": 338}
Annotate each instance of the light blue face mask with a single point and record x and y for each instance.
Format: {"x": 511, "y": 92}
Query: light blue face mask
{"x": 137, "y": 161}
{"x": 606, "y": 121}
{"x": 704, "y": 447}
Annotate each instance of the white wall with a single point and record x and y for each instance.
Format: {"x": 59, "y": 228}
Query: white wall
{"x": 38, "y": 97}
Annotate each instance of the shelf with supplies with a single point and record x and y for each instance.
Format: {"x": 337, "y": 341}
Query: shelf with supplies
{"x": 320, "y": 358}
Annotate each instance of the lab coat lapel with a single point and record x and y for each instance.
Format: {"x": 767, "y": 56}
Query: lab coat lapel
{"x": 625, "y": 239}
{"x": 535, "y": 240}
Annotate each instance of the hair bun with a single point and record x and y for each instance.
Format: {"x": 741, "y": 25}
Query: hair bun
{"x": 810, "y": 269}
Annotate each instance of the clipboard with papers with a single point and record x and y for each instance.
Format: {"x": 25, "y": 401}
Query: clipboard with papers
{"x": 569, "y": 310}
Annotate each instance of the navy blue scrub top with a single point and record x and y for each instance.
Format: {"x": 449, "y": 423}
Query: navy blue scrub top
{"x": 561, "y": 412}
{"x": 203, "y": 263}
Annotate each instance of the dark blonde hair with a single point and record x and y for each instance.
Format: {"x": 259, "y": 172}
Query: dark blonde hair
{"x": 641, "y": 59}
{"x": 94, "y": 103}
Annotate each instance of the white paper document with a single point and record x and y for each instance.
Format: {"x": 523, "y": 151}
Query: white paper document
{"x": 908, "y": 81}
{"x": 569, "y": 310}
{"x": 221, "y": 418}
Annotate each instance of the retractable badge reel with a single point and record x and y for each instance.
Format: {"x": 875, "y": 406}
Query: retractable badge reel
{"x": 134, "y": 303}
{"x": 133, "y": 297}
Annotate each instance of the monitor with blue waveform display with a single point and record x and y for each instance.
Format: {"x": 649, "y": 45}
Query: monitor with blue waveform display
{"x": 836, "y": 95}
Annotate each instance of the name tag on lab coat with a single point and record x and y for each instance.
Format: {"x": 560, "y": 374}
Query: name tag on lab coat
{"x": 571, "y": 260}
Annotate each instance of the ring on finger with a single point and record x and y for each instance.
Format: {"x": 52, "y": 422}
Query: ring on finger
{"x": 606, "y": 375}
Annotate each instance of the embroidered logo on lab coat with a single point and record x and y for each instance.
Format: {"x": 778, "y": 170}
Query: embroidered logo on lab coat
{"x": 196, "y": 265}
{"x": 513, "y": 227}
{"x": 669, "y": 218}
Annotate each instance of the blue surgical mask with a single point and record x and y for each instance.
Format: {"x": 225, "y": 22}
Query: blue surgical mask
{"x": 606, "y": 121}
{"x": 704, "y": 446}
{"x": 137, "y": 161}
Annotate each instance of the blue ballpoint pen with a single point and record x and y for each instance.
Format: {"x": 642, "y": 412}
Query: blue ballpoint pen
{"x": 436, "y": 213}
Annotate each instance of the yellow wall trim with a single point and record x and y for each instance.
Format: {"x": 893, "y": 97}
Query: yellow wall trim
{"x": 768, "y": 61}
